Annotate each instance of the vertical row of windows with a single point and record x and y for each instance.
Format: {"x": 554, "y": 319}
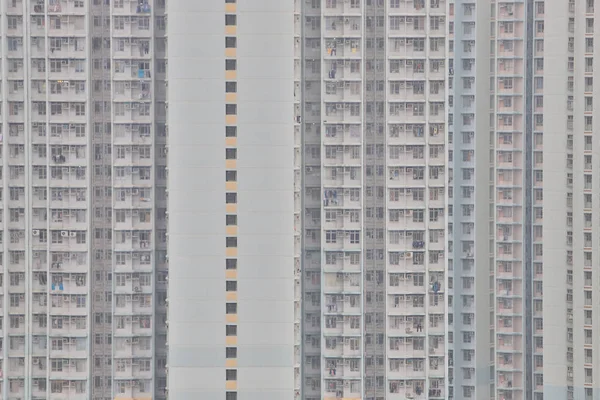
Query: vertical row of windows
{"x": 231, "y": 218}
{"x": 588, "y": 42}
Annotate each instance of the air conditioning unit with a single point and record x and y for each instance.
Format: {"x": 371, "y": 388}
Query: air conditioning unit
{"x": 73, "y": 234}
{"x": 36, "y": 361}
{"x": 137, "y": 289}
{"x": 64, "y": 233}
{"x": 35, "y": 232}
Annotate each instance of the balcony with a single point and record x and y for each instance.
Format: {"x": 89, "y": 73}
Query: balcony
{"x": 339, "y": 26}
{"x": 342, "y": 8}
{"x": 132, "y": 7}
{"x": 341, "y": 371}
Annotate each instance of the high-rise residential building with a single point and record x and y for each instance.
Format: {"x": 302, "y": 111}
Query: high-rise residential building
{"x": 83, "y": 199}
{"x": 470, "y": 210}
{"x": 358, "y": 207}
{"x": 524, "y": 214}
{"x": 389, "y": 157}
{"x": 375, "y": 231}
{"x": 234, "y": 200}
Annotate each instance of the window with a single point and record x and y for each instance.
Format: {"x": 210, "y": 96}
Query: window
{"x": 231, "y": 242}
{"x": 230, "y": 19}
{"x": 230, "y": 154}
{"x": 231, "y": 308}
{"x": 539, "y": 26}
{"x": 231, "y": 330}
{"x": 56, "y": 108}
{"x": 231, "y": 286}
{"x": 231, "y": 395}
{"x": 231, "y": 87}
{"x": 231, "y": 352}
{"x": 230, "y": 65}
{"x": 230, "y": 42}
{"x": 231, "y": 264}
{"x": 231, "y": 220}
{"x": 231, "y": 176}
{"x": 330, "y": 236}
{"x": 231, "y": 131}
{"x": 231, "y": 109}
{"x": 230, "y": 198}
{"x": 231, "y": 375}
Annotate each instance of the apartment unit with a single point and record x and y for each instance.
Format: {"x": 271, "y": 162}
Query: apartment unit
{"x": 234, "y": 200}
{"x": 83, "y": 199}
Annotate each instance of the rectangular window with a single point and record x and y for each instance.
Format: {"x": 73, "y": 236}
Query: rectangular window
{"x": 230, "y": 65}
{"x": 230, "y": 42}
{"x": 231, "y": 330}
{"x": 231, "y": 375}
{"x": 231, "y": 220}
{"x": 231, "y": 286}
{"x": 231, "y": 131}
{"x": 230, "y": 154}
{"x": 231, "y": 352}
{"x": 231, "y": 242}
{"x": 231, "y": 308}
{"x": 230, "y": 87}
{"x": 231, "y": 176}
{"x": 231, "y": 264}
{"x": 230, "y": 19}
{"x": 231, "y": 198}
{"x": 231, "y": 109}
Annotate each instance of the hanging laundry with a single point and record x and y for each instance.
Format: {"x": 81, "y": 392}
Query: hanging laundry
{"x": 60, "y": 286}
{"x": 418, "y": 244}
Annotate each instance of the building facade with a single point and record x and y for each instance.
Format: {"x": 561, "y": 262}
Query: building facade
{"x": 421, "y": 252}
{"x": 234, "y": 200}
{"x": 523, "y": 200}
{"x": 375, "y": 186}
{"x": 83, "y": 199}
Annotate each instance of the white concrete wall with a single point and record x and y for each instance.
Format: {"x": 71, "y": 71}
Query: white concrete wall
{"x": 265, "y": 52}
